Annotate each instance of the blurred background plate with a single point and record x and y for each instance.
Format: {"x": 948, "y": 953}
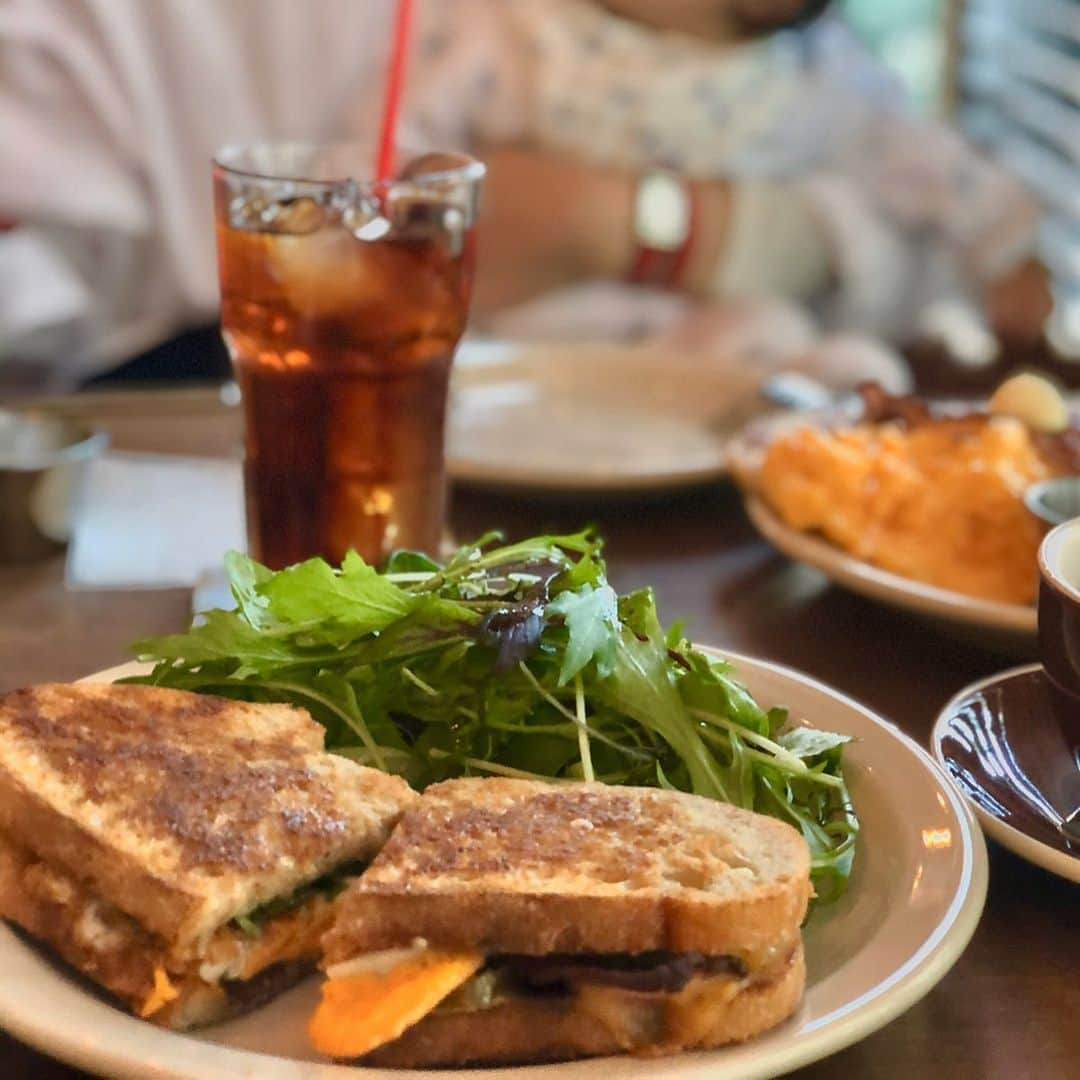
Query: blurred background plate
{"x": 594, "y": 418}
{"x": 1010, "y": 627}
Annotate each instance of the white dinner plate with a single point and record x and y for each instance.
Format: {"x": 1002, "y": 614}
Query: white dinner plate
{"x": 914, "y": 900}
{"x": 1011, "y": 626}
{"x": 594, "y": 418}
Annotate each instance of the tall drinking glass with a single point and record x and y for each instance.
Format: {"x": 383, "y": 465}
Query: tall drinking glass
{"x": 342, "y": 301}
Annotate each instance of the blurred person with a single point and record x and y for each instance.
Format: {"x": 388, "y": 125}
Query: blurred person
{"x": 110, "y": 111}
{"x": 783, "y": 148}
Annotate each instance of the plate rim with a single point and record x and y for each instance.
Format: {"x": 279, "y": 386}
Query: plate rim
{"x": 893, "y": 995}
{"x": 944, "y": 947}
{"x": 1017, "y": 841}
{"x": 493, "y": 478}
{"x": 884, "y": 586}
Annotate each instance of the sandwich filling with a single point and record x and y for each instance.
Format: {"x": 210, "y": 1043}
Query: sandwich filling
{"x": 374, "y": 998}
{"x": 245, "y": 962}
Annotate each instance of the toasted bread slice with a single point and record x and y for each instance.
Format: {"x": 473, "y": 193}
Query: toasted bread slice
{"x": 511, "y": 866}
{"x": 605, "y": 1020}
{"x": 183, "y": 810}
{"x": 93, "y": 936}
{"x": 137, "y": 966}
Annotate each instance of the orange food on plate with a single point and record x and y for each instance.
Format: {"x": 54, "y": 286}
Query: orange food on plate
{"x": 940, "y": 502}
{"x": 361, "y": 1011}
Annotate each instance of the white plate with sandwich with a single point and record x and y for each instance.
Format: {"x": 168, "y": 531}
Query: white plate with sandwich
{"x": 913, "y": 901}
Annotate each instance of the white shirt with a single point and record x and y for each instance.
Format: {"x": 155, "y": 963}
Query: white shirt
{"x": 109, "y": 113}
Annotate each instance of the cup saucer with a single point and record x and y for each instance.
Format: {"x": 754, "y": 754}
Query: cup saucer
{"x": 1017, "y": 763}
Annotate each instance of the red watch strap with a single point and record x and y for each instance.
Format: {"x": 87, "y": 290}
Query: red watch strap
{"x": 643, "y": 268}
{"x": 682, "y": 256}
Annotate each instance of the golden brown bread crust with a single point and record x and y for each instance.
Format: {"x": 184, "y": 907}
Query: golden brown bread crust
{"x": 183, "y": 809}
{"x": 60, "y": 840}
{"x": 537, "y": 924}
{"x": 522, "y": 867}
{"x": 528, "y": 1030}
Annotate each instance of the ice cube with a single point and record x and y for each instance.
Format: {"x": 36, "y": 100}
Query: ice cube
{"x": 419, "y": 214}
{"x": 245, "y": 211}
{"x": 434, "y": 206}
{"x": 365, "y": 220}
{"x": 293, "y": 215}
{"x": 325, "y": 273}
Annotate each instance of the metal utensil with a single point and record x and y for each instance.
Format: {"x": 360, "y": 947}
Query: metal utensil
{"x": 798, "y": 392}
{"x": 43, "y": 460}
{"x": 794, "y": 390}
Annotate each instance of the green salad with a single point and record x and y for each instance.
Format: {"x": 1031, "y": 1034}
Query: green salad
{"x": 513, "y": 660}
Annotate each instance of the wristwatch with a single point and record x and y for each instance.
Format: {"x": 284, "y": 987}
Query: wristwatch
{"x": 663, "y": 225}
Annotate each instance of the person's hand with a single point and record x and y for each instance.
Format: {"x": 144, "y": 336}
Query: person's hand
{"x": 1018, "y": 304}
{"x": 548, "y": 220}
{"x": 765, "y": 333}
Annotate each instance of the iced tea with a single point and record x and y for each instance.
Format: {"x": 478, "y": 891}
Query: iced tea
{"x": 342, "y": 305}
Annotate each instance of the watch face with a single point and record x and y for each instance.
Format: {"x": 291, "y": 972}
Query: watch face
{"x": 661, "y": 212}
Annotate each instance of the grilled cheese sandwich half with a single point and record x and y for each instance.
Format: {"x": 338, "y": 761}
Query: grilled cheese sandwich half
{"x": 181, "y": 850}
{"x": 561, "y": 921}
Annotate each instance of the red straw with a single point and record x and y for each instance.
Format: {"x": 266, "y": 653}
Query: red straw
{"x": 395, "y": 80}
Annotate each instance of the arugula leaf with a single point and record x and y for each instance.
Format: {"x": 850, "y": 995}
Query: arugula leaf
{"x": 411, "y": 562}
{"x": 642, "y": 687}
{"x": 808, "y": 742}
{"x": 246, "y": 579}
{"x": 592, "y": 617}
{"x": 588, "y": 570}
{"x": 358, "y": 596}
{"x": 222, "y": 635}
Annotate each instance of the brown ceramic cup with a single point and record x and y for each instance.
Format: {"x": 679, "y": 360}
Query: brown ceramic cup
{"x": 1059, "y": 616}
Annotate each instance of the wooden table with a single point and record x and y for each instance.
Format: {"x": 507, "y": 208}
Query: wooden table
{"x": 1011, "y": 1006}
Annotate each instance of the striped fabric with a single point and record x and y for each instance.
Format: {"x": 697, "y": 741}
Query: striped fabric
{"x": 1019, "y": 94}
